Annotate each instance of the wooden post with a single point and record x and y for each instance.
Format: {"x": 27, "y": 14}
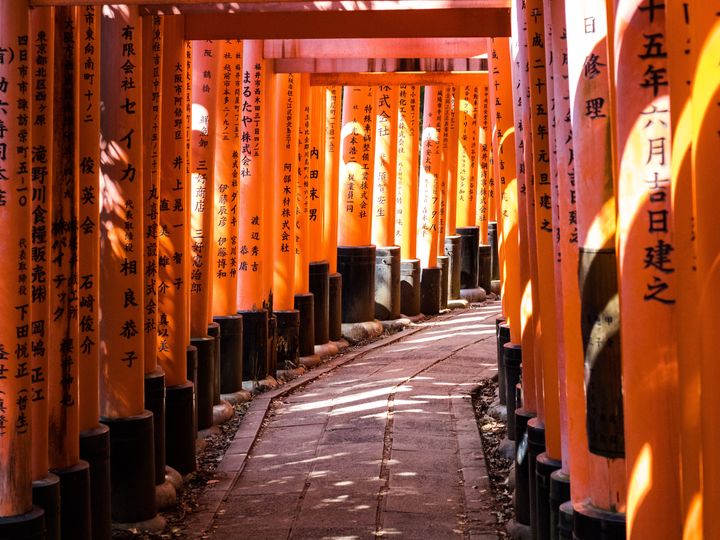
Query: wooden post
{"x": 94, "y": 437}
{"x": 647, "y": 285}
{"x": 286, "y": 122}
{"x": 42, "y": 54}
{"x": 452, "y": 162}
{"x": 317, "y": 187}
{"x": 482, "y": 167}
{"x": 251, "y": 216}
{"x": 205, "y": 59}
{"x": 444, "y": 165}
{"x": 302, "y": 187}
{"x": 226, "y": 180}
{"x": 333, "y": 97}
{"x": 681, "y": 67}
{"x": 16, "y": 391}
{"x": 467, "y": 155}
{"x": 121, "y": 281}
{"x": 384, "y": 204}
{"x": 705, "y": 28}
{"x": 602, "y": 479}
{"x": 407, "y": 152}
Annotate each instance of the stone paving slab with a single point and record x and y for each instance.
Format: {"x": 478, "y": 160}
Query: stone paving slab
{"x": 378, "y": 443}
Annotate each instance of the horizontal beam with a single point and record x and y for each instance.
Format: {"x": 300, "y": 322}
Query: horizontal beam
{"x": 394, "y": 79}
{"x": 355, "y": 65}
{"x": 418, "y": 23}
{"x": 280, "y": 5}
{"x": 375, "y": 48}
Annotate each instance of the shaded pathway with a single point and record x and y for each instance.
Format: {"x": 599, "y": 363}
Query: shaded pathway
{"x": 385, "y": 445}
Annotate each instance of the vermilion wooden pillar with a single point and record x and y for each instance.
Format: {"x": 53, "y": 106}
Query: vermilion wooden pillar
{"x": 46, "y": 489}
{"x": 601, "y": 483}
{"x": 647, "y": 285}
{"x": 16, "y": 441}
{"x": 94, "y": 436}
{"x": 681, "y": 66}
{"x": 333, "y": 117}
{"x": 121, "y": 224}
{"x": 482, "y": 171}
{"x": 356, "y": 254}
{"x": 705, "y": 32}
{"x": 63, "y": 327}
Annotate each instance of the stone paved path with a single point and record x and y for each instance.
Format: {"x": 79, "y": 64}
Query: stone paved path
{"x": 385, "y": 446}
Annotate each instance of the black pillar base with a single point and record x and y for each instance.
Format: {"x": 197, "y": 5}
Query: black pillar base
{"x": 503, "y": 337}
{"x": 544, "y": 467}
{"x": 46, "y": 497}
{"x": 443, "y": 263}
{"x": 492, "y": 240}
{"x": 231, "y": 353}
{"x": 254, "y": 355}
{"x": 536, "y": 446}
{"x": 565, "y": 521}
{"x": 305, "y": 306}
{"x": 288, "y": 336}
{"x": 356, "y": 264}
{"x": 155, "y": 403}
{"x": 181, "y": 428}
{"x": 29, "y": 526}
{"x": 484, "y": 267}
{"x": 590, "y": 523}
{"x": 387, "y": 283}
{"x": 512, "y": 359}
{"x": 522, "y": 471}
{"x": 132, "y": 468}
{"x": 410, "y": 287}
{"x": 469, "y": 242}
{"x": 320, "y": 289}
{"x": 452, "y": 250}
{"x": 214, "y": 332}
{"x": 95, "y": 449}
{"x": 335, "y": 307}
{"x": 75, "y": 501}
{"x": 559, "y": 494}
{"x": 204, "y": 380}
{"x": 430, "y": 279}
{"x": 271, "y": 365}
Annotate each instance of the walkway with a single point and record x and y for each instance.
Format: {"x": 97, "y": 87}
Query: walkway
{"x": 385, "y": 445}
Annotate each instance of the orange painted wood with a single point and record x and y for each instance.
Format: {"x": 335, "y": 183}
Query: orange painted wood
{"x": 16, "y": 436}
{"x": 121, "y": 217}
{"x": 174, "y": 262}
{"x": 250, "y": 210}
{"x": 333, "y": 118}
{"x": 374, "y": 78}
{"x": 483, "y": 181}
{"x": 467, "y": 154}
{"x": 63, "y": 335}
{"x": 430, "y": 171}
{"x": 452, "y": 162}
{"x": 449, "y": 22}
{"x": 317, "y": 195}
{"x": 205, "y": 59}
{"x": 87, "y": 167}
{"x": 681, "y": 68}
{"x": 532, "y": 394}
{"x": 407, "y": 167}
{"x": 356, "y": 166}
{"x": 226, "y": 179}
{"x": 506, "y": 178}
{"x": 302, "y": 186}
{"x": 285, "y": 182}
{"x": 546, "y": 325}
{"x": 151, "y": 108}
{"x": 268, "y": 158}
{"x": 42, "y": 53}
{"x": 647, "y": 285}
{"x": 705, "y": 36}
{"x": 385, "y": 177}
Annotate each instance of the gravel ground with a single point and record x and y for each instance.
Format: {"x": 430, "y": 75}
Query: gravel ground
{"x": 492, "y": 432}
{"x": 195, "y": 483}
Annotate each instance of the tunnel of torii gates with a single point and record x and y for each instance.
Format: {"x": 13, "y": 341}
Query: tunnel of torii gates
{"x": 195, "y": 196}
